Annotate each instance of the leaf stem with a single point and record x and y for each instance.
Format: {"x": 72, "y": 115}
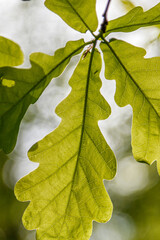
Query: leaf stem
{"x": 105, "y": 21}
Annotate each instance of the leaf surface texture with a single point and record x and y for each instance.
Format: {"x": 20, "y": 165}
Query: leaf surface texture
{"x": 80, "y": 15}
{"x": 137, "y": 84}
{"x": 66, "y": 190}
{"x": 134, "y": 20}
{"x": 21, "y": 87}
{"x": 10, "y": 53}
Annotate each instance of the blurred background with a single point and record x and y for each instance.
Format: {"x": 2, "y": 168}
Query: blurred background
{"x": 135, "y": 191}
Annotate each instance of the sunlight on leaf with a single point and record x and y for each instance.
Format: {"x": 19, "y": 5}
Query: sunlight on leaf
{"x": 138, "y": 84}
{"x": 29, "y": 85}
{"x": 10, "y": 53}
{"x": 134, "y": 20}
{"x": 8, "y": 83}
{"x": 80, "y": 15}
{"x": 127, "y": 4}
{"x": 66, "y": 190}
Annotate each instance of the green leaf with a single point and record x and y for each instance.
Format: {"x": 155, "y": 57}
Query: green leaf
{"x": 80, "y": 15}
{"x": 21, "y": 87}
{"x": 10, "y": 53}
{"x": 134, "y": 20}
{"x": 66, "y": 190}
{"x": 127, "y": 4}
{"x": 138, "y": 84}
{"x": 11, "y": 210}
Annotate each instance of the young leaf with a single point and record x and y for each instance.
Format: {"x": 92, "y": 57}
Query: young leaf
{"x": 80, "y": 15}
{"x": 135, "y": 19}
{"x": 66, "y": 190}
{"x": 10, "y": 53}
{"x": 21, "y": 87}
{"x": 138, "y": 84}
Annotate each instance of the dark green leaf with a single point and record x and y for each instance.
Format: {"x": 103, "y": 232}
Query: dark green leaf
{"x": 21, "y": 87}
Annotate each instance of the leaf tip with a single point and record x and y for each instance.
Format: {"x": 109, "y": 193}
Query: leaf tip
{"x": 33, "y": 148}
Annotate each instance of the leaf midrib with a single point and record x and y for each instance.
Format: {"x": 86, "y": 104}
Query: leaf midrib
{"x": 130, "y": 76}
{"x": 82, "y": 131}
{"x": 42, "y": 79}
{"x": 79, "y": 16}
{"x": 133, "y": 25}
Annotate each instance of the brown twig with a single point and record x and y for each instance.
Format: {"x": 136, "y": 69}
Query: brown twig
{"x": 105, "y": 21}
{"x": 87, "y": 50}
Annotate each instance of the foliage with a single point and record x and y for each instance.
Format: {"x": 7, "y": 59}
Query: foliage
{"x": 29, "y": 85}
{"x": 66, "y": 190}
{"x": 10, "y": 217}
{"x": 134, "y": 20}
{"x": 75, "y": 13}
{"x": 134, "y": 87}
{"x": 146, "y": 215}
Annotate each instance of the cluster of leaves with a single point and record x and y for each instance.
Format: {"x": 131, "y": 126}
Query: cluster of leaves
{"x": 66, "y": 190}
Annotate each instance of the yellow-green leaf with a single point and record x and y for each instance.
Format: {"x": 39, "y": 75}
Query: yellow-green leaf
{"x": 10, "y": 53}
{"x": 134, "y": 20}
{"x": 7, "y": 82}
{"x": 21, "y": 87}
{"x": 138, "y": 84}
{"x": 80, "y": 15}
{"x": 128, "y": 5}
{"x": 66, "y": 190}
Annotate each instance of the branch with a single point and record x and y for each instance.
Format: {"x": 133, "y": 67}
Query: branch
{"x": 105, "y": 21}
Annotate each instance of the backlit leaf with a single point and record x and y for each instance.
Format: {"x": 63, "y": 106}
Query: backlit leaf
{"x": 10, "y": 53}
{"x": 138, "y": 84}
{"x": 66, "y": 190}
{"x": 21, "y": 87}
{"x": 134, "y": 20}
{"x": 128, "y": 5}
{"x": 80, "y": 15}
